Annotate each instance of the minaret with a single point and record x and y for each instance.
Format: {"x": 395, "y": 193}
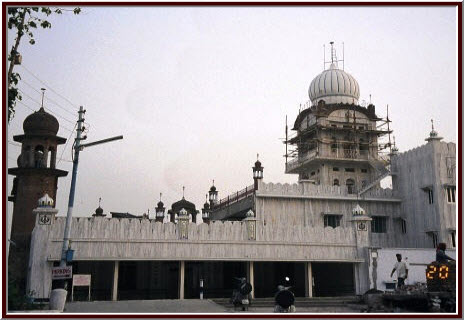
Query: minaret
{"x": 257, "y": 172}
{"x": 159, "y": 211}
{"x": 35, "y": 176}
{"x": 433, "y": 136}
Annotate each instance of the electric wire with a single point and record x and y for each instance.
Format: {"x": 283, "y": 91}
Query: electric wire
{"x": 61, "y": 126}
{"x": 40, "y": 104}
{"x": 41, "y": 81}
{"x": 49, "y": 99}
{"x": 65, "y": 146}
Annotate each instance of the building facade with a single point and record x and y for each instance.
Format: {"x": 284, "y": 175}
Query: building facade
{"x": 320, "y": 231}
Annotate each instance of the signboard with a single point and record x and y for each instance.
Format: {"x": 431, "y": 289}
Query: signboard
{"x": 61, "y": 273}
{"x": 81, "y": 280}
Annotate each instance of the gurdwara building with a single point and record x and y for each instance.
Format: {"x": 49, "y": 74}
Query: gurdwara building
{"x": 320, "y": 231}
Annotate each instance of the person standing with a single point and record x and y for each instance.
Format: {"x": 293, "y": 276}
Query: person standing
{"x": 401, "y": 270}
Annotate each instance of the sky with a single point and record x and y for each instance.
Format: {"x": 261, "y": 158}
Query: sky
{"x": 198, "y": 92}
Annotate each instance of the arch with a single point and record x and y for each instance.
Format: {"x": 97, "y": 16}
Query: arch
{"x": 51, "y": 158}
{"x": 350, "y": 184}
{"x": 39, "y": 156}
{"x": 336, "y": 182}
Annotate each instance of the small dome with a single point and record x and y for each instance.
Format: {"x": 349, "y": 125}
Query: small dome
{"x": 358, "y": 211}
{"x": 183, "y": 204}
{"x": 160, "y": 204}
{"x": 41, "y": 123}
{"x": 99, "y": 211}
{"x": 334, "y": 86}
{"x": 46, "y": 201}
{"x": 206, "y": 205}
{"x": 258, "y": 164}
{"x": 213, "y": 189}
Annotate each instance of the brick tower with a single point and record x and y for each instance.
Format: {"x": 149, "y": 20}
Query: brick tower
{"x": 35, "y": 176}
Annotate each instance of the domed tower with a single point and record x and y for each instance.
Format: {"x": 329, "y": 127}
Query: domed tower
{"x": 35, "y": 176}
{"x": 183, "y": 204}
{"x": 336, "y": 141}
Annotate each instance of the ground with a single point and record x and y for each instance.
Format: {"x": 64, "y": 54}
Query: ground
{"x": 186, "y": 306}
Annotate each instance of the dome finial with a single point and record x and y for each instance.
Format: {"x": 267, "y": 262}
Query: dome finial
{"x": 183, "y": 192}
{"x": 43, "y": 95}
{"x": 433, "y": 134}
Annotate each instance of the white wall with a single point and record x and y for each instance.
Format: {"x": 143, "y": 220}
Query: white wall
{"x": 418, "y": 259}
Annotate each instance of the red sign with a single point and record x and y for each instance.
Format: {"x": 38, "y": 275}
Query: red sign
{"x": 62, "y": 273}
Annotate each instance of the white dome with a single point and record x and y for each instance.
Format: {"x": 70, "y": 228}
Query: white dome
{"x": 358, "y": 211}
{"x": 334, "y": 86}
{"x": 46, "y": 201}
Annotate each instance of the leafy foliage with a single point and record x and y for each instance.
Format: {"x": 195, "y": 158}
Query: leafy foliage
{"x": 25, "y": 20}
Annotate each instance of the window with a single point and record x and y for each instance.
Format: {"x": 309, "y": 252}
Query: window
{"x": 333, "y": 125}
{"x": 349, "y": 169}
{"x": 451, "y": 194}
{"x": 332, "y": 220}
{"x": 379, "y": 224}
{"x": 433, "y": 236}
{"x": 350, "y": 186}
{"x": 313, "y": 173}
{"x": 453, "y": 239}
{"x": 403, "y": 225}
{"x": 430, "y": 194}
{"x": 364, "y": 170}
{"x": 336, "y": 182}
{"x": 335, "y": 169}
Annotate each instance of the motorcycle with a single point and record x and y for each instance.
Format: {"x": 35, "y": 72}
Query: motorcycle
{"x": 241, "y": 294}
{"x": 284, "y": 299}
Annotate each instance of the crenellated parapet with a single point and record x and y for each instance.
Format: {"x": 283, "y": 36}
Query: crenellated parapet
{"x": 142, "y": 239}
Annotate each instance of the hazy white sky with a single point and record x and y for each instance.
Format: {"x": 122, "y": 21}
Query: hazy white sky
{"x": 198, "y": 91}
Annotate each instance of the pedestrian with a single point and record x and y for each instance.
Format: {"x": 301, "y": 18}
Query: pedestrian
{"x": 441, "y": 256}
{"x": 401, "y": 270}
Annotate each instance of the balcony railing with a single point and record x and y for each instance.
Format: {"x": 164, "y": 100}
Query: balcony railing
{"x": 235, "y": 197}
{"x": 336, "y": 153}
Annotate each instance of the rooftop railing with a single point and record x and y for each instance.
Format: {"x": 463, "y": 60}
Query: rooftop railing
{"x": 235, "y": 197}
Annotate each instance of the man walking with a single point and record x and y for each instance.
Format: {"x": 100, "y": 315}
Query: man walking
{"x": 401, "y": 270}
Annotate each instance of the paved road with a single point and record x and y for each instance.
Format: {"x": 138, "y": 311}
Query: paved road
{"x": 145, "y": 306}
{"x": 179, "y": 306}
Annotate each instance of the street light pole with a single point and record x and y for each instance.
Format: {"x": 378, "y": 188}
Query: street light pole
{"x": 67, "y": 229}
{"x": 77, "y": 148}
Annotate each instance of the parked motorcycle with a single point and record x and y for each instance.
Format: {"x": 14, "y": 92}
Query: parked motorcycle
{"x": 241, "y": 294}
{"x": 284, "y": 299}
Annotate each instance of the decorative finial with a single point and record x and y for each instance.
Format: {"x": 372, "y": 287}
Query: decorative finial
{"x": 257, "y": 156}
{"x": 433, "y": 134}
{"x": 213, "y": 182}
{"x": 43, "y": 94}
{"x": 206, "y": 197}
{"x": 332, "y": 51}
{"x": 160, "y": 195}
{"x": 183, "y": 192}
{"x": 99, "y": 201}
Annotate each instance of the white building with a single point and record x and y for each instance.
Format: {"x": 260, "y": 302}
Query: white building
{"x": 319, "y": 231}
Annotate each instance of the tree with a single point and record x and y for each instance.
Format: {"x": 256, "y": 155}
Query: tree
{"x": 25, "y": 20}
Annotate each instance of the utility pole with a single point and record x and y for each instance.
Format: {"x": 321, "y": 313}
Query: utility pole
{"x": 77, "y": 148}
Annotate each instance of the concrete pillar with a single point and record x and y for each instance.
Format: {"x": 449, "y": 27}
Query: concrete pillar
{"x": 114, "y": 293}
{"x": 181, "y": 279}
{"x": 308, "y": 280}
{"x": 251, "y": 277}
